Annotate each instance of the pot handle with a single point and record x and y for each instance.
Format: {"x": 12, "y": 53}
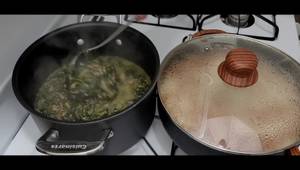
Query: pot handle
{"x": 203, "y": 32}
{"x": 208, "y": 31}
{"x": 50, "y": 144}
{"x": 295, "y": 151}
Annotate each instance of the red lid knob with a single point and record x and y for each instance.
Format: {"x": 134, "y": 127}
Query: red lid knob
{"x": 239, "y": 68}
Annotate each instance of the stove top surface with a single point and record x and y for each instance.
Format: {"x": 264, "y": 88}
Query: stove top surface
{"x": 157, "y": 141}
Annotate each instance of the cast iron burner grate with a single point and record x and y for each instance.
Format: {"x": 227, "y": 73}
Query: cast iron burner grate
{"x": 165, "y": 16}
{"x": 266, "y": 20}
{"x": 158, "y": 23}
{"x": 150, "y": 146}
{"x": 174, "y": 147}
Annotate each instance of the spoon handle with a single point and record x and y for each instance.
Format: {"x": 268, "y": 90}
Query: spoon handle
{"x": 117, "y": 32}
{"x": 111, "y": 37}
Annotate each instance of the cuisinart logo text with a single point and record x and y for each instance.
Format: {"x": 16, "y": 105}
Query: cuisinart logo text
{"x": 62, "y": 146}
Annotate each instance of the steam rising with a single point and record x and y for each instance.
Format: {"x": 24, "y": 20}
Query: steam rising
{"x": 60, "y": 48}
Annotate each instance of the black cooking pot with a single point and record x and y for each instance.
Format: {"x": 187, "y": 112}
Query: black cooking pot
{"x": 119, "y": 131}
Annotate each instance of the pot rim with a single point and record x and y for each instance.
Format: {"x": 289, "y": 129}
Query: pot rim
{"x": 23, "y": 102}
{"x": 163, "y": 65}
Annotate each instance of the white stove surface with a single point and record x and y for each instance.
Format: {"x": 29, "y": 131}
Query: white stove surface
{"x": 165, "y": 39}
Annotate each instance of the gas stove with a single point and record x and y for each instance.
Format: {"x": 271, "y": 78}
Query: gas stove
{"x": 263, "y": 27}
{"x": 166, "y": 32}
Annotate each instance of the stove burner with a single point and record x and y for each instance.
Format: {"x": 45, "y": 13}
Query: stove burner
{"x": 165, "y": 16}
{"x": 242, "y": 21}
{"x": 272, "y": 22}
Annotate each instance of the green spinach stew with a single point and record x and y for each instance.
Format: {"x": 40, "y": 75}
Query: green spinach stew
{"x": 97, "y": 88}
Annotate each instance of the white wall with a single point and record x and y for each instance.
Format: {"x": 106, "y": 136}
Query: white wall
{"x": 17, "y": 32}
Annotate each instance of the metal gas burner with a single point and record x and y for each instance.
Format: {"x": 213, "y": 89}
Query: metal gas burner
{"x": 242, "y": 21}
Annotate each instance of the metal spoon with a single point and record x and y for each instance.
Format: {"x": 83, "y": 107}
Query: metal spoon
{"x": 84, "y": 53}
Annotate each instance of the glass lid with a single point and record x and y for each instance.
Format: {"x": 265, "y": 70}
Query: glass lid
{"x": 233, "y": 94}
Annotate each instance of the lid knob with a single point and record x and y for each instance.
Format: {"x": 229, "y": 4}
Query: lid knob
{"x": 239, "y": 68}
